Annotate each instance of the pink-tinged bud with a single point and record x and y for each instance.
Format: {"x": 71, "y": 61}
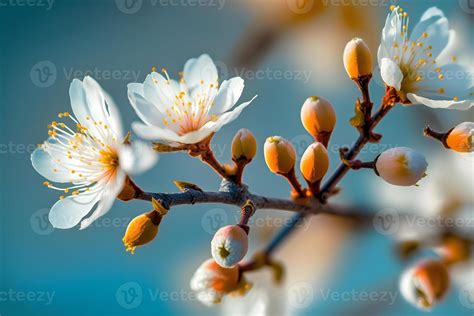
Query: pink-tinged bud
{"x": 460, "y": 138}
{"x": 229, "y": 245}
{"x": 425, "y": 284}
{"x": 212, "y": 282}
{"x": 314, "y": 162}
{"x": 401, "y": 166}
{"x": 279, "y": 155}
{"x": 357, "y": 59}
{"x": 318, "y": 116}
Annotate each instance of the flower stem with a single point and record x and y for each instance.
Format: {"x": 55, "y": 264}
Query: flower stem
{"x": 441, "y": 137}
{"x": 295, "y": 185}
{"x": 208, "y": 157}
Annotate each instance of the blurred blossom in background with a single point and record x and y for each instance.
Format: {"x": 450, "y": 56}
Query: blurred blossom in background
{"x": 285, "y": 50}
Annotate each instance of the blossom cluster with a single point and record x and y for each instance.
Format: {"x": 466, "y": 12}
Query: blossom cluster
{"x": 91, "y": 160}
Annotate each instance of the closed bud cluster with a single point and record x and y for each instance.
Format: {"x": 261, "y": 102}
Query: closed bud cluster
{"x": 229, "y": 245}
{"x": 279, "y": 155}
{"x": 357, "y": 59}
{"x": 401, "y": 166}
{"x": 212, "y": 282}
{"x": 425, "y": 284}
{"x": 143, "y": 228}
{"x": 318, "y": 116}
{"x": 314, "y": 162}
{"x": 460, "y": 138}
{"x": 244, "y": 145}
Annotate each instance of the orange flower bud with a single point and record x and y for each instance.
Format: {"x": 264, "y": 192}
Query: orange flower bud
{"x": 357, "y": 59}
{"x": 143, "y": 228}
{"x": 244, "y": 145}
{"x": 318, "y": 116}
{"x": 460, "y": 138}
{"x": 279, "y": 155}
{"x": 314, "y": 162}
{"x": 425, "y": 284}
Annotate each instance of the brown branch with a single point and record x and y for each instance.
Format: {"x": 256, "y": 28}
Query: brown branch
{"x": 233, "y": 195}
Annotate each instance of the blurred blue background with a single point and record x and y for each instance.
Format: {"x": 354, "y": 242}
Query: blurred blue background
{"x": 71, "y": 272}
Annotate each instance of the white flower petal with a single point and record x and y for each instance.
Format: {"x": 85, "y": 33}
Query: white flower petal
{"x": 154, "y": 133}
{"x": 446, "y": 55}
{"x": 94, "y": 99}
{"x": 44, "y": 164}
{"x": 391, "y": 73}
{"x": 109, "y": 194}
{"x": 197, "y": 69}
{"x": 113, "y": 118}
{"x": 382, "y": 53}
{"x": 435, "y": 24}
{"x": 227, "y": 117}
{"x": 145, "y": 110}
{"x": 229, "y": 93}
{"x": 78, "y": 98}
{"x": 68, "y": 212}
{"x": 158, "y": 91}
{"x": 457, "y": 82}
{"x": 89, "y": 100}
{"x": 392, "y": 28}
{"x": 441, "y": 104}
{"x": 137, "y": 157}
